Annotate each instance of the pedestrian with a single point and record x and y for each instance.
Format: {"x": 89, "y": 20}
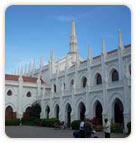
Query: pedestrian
{"x": 107, "y": 129}
{"x": 81, "y": 129}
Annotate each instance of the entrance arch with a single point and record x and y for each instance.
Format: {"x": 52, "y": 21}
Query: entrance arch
{"x": 118, "y": 111}
{"x": 82, "y": 110}
{"x": 47, "y": 111}
{"x": 98, "y": 112}
{"x": 9, "y": 113}
{"x": 57, "y": 111}
{"x": 68, "y": 114}
{"x": 28, "y": 112}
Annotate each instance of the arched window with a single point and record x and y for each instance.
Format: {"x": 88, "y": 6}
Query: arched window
{"x": 47, "y": 111}
{"x": 55, "y": 88}
{"x": 98, "y": 79}
{"x": 64, "y": 86}
{"x": 115, "y": 75}
{"x": 28, "y": 94}
{"x": 9, "y": 93}
{"x": 84, "y": 82}
{"x": 72, "y": 83}
{"x": 130, "y": 69}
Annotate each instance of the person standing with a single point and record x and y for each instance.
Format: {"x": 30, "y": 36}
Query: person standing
{"x": 81, "y": 129}
{"x": 107, "y": 129}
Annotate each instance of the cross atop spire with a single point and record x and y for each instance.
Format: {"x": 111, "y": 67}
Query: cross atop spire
{"x": 73, "y": 39}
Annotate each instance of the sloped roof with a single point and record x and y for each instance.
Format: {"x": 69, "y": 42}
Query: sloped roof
{"x": 25, "y": 78}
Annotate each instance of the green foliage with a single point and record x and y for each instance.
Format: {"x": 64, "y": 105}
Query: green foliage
{"x": 35, "y": 110}
{"x": 14, "y": 122}
{"x": 49, "y": 122}
{"x": 117, "y": 128}
{"x": 28, "y": 121}
{"x": 129, "y": 127}
{"x": 75, "y": 124}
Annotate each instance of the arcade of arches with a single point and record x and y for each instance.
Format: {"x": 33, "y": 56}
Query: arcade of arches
{"x": 117, "y": 107}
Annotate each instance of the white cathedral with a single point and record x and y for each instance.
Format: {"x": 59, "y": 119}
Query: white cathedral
{"x": 70, "y": 88}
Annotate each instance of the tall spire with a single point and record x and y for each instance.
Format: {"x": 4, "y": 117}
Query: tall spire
{"x": 73, "y": 39}
{"x": 103, "y": 47}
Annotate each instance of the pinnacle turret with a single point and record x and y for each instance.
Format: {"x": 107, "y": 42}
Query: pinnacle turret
{"x": 73, "y": 39}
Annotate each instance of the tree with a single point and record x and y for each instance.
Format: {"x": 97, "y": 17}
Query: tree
{"x": 36, "y": 109}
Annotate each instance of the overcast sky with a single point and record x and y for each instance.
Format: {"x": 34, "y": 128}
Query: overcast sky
{"x": 32, "y": 31}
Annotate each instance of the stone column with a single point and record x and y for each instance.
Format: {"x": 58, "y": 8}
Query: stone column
{"x": 20, "y": 100}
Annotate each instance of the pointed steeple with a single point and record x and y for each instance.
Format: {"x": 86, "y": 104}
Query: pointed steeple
{"x": 73, "y": 39}
{"x": 103, "y": 47}
{"x": 120, "y": 43}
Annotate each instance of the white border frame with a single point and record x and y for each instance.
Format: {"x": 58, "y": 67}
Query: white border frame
{"x": 3, "y": 5}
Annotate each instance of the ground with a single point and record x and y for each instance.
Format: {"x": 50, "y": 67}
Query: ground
{"x": 44, "y": 132}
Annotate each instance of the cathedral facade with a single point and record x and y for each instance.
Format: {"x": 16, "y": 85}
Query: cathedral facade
{"x": 71, "y": 88}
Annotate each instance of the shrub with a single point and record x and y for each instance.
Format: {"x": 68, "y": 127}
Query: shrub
{"x": 129, "y": 127}
{"x": 49, "y": 122}
{"x": 37, "y": 122}
{"x": 117, "y": 128}
{"x": 28, "y": 121}
{"x": 75, "y": 124}
{"x": 14, "y": 122}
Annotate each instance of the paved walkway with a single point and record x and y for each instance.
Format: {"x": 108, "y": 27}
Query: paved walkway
{"x": 44, "y": 132}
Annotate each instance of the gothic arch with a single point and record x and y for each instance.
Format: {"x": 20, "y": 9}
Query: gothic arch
{"x": 97, "y": 111}
{"x": 98, "y": 79}
{"x": 110, "y": 69}
{"x": 67, "y": 100}
{"x": 12, "y": 105}
{"x": 112, "y": 101}
{"x": 69, "y": 81}
{"x": 81, "y": 110}
{"x": 81, "y": 75}
{"x": 9, "y": 114}
{"x": 68, "y": 111}
{"x": 26, "y": 106}
{"x": 47, "y": 111}
{"x": 56, "y": 111}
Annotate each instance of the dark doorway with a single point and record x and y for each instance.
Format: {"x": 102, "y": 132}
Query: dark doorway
{"x": 57, "y": 111}
{"x": 28, "y": 112}
{"x": 118, "y": 112}
{"x": 47, "y": 111}
{"x": 98, "y": 112}
{"x": 82, "y": 111}
{"x": 69, "y": 109}
{"x": 9, "y": 113}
